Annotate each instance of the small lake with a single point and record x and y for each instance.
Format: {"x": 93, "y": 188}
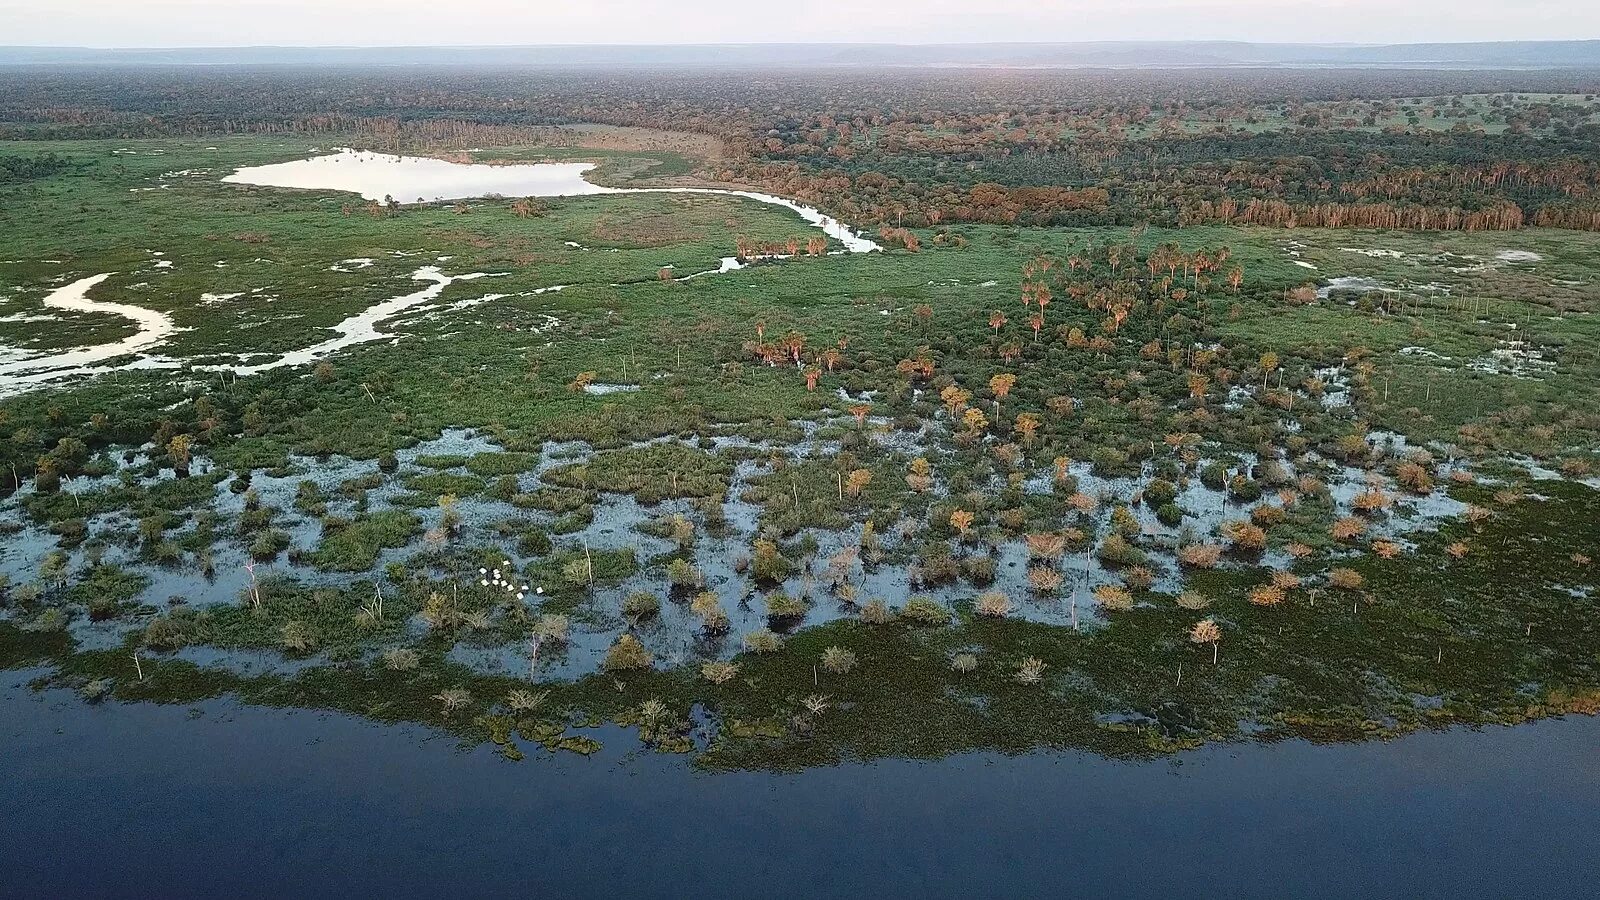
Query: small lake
{"x": 410, "y": 179}
{"x": 222, "y": 800}
{"x": 415, "y": 179}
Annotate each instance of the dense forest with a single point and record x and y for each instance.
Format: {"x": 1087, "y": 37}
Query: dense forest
{"x": 1432, "y": 150}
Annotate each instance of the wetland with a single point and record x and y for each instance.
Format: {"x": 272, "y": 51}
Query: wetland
{"x": 558, "y": 457}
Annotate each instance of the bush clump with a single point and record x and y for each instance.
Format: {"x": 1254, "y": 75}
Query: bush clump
{"x": 627, "y": 654}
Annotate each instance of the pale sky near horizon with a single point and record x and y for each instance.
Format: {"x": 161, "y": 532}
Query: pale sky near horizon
{"x": 190, "y": 23}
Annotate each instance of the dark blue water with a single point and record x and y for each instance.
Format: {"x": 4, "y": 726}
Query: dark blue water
{"x": 149, "y": 801}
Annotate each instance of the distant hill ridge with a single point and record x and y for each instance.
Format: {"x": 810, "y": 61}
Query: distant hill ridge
{"x": 1113, "y": 54}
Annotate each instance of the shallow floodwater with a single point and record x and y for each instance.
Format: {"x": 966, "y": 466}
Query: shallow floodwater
{"x": 220, "y": 800}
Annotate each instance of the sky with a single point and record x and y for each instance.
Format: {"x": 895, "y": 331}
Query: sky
{"x": 200, "y": 23}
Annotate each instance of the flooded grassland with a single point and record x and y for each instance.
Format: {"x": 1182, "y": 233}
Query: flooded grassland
{"x": 717, "y": 468}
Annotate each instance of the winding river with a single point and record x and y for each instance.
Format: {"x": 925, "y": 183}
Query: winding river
{"x": 374, "y": 176}
{"x": 27, "y": 372}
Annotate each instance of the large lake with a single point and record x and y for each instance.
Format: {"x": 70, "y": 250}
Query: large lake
{"x": 219, "y": 800}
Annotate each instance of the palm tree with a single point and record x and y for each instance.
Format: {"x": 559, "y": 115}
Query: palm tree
{"x": 1027, "y": 424}
{"x": 1001, "y": 385}
{"x": 1207, "y": 631}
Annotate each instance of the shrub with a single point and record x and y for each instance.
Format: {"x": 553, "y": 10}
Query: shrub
{"x": 1243, "y": 489}
{"x": 1346, "y": 579}
{"x": 978, "y": 569}
{"x": 1044, "y": 580}
{"x": 683, "y": 575}
{"x": 1266, "y": 515}
{"x": 1030, "y": 671}
{"x": 523, "y": 701}
{"x": 640, "y": 605}
{"x": 52, "y": 619}
{"x": 837, "y": 660}
{"x": 763, "y": 641}
{"x": 534, "y": 542}
{"x": 1266, "y": 595}
{"x": 454, "y": 699}
{"x": 1347, "y": 529}
{"x": 1170, "y": 515}
{"x": 1139, "y": 578}
{"x": 1193, "y": 600}
{"x": 268, "y": 545}
{"x": 925, "y": 611}
{"x": 993, "y": 604}
{"x": 626, "y": 654}
{"x": 1117, "y": 551}
{"x": 1414, "y": 478}
{"x": 1244, "y": 537}
{"x": 705, "y": 603}
{"x": 1160, "y": 492}
{"x": 768, "y": 564}
{"x": 1107, "y": 460}
{"x": 783, "y": 606}
{"x": 1200, "y": 556}
{"x": 1371, "y": 501}
{"x": 1047, "y": 546}
{"x": 964, "y": 662}
{"x": 95, "y": 691}
{"x": 297, "y": 637}
{"x": 164, "y": 633}
{"x": 876, "y": 612}
{"x": 552, "y": 627}
{"x": 718, "y": 672}
{"x": 1112, "y": 597}
{"x": 401, "y": 659}
{"x": 1124, "y": 522}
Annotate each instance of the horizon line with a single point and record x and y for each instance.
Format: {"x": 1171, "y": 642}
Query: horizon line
{"x": 758, "y": 43}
